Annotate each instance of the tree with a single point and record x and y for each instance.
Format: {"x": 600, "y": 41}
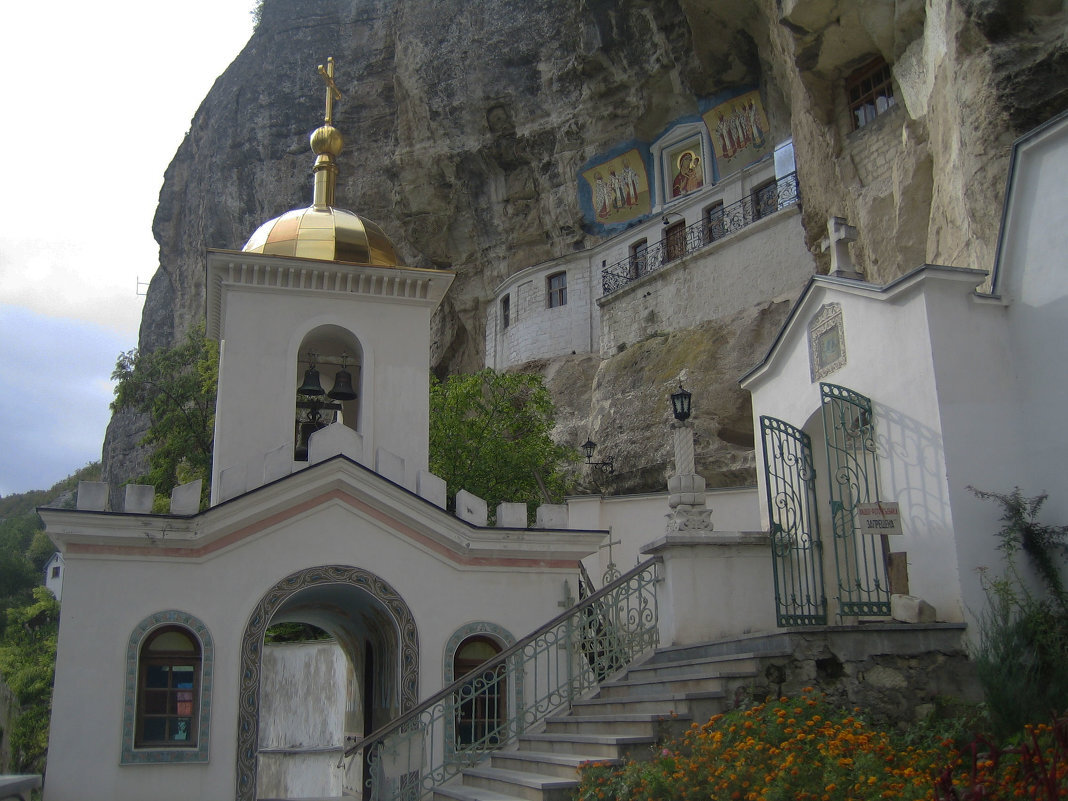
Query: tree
{"x": 27, "y": 666}
{"x": 490, "y": 435}
{"x": 176, "y": 387}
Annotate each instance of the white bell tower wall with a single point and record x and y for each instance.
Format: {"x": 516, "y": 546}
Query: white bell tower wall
{"x": 264, "y": 309}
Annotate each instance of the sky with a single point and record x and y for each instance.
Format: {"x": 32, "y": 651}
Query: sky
{"x": 96, "y": 98}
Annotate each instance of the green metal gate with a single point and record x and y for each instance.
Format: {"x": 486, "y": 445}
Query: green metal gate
{"x": 860, "y": 559}
{"x": 797, "y": 552}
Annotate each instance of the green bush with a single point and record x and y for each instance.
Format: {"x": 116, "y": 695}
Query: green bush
{"x": 1022, "y": 655}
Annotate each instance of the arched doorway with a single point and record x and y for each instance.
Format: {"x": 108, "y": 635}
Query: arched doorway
{"x": 372, "y": 625}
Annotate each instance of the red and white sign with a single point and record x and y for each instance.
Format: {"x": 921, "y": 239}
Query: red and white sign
{"x": 883, "y": 517}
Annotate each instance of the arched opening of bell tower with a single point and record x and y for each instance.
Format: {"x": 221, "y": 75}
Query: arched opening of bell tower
{"x": 328, "y": 376}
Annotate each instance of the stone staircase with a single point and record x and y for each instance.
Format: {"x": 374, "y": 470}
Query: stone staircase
{"x": 630, "y": 715}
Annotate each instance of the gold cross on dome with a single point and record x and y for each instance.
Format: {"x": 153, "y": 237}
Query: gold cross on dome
{"x": 332, "y": 92}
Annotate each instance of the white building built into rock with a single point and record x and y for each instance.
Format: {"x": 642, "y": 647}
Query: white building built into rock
{"x": 877, "y": 407}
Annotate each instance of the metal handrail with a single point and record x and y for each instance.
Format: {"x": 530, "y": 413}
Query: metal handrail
{"x": 592, "y": 640}
{"x": 720, "y": 222}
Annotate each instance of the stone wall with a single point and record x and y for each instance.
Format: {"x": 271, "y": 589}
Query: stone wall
{"x": 765, "y": 260}
{"x": 895, "y": 672}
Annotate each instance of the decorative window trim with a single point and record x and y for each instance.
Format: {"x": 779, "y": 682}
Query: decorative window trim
{"x": 132, "y": 755}
{"x": 485, "y": 629}
{"x": 826, "y": 341}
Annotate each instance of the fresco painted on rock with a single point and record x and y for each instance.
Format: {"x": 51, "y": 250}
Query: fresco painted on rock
{"x": 739, "y": 131}
{"x": 619, "y": 188}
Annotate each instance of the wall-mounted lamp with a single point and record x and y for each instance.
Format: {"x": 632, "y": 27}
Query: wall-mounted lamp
{"x": 588, "y": 447}
{"x": 667, "y": 217}
{"x": 680, "y": 403}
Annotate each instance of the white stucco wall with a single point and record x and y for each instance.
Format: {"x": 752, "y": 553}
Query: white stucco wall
{"x": 304, "y": 698}
{"x": 765, "y": 260}
{"x": 536, "y": 331}
{"x": 107, "y": 595}
{"x": 890, "y": 359}
{"x": 262, "y": 328}
{"x": 637, "y": 520}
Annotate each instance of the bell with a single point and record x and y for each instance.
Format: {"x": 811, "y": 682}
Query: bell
{"x": 311, "y": 385}
{"x": 342, "y": 389}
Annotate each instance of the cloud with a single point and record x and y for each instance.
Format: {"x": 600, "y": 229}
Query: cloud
{"x": 55, "y": 389}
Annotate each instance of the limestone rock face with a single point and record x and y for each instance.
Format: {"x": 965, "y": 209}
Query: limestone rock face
{"x": 466, "y": 125}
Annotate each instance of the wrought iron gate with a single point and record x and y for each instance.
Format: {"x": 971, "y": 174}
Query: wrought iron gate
{"x": 860, "y": 559}
{"x": 797, "y": 552}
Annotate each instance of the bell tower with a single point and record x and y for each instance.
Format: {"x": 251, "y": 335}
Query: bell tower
{"x": 320, "y": 327}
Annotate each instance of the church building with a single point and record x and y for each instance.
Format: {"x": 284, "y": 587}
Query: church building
{"x": 877, "y": 408}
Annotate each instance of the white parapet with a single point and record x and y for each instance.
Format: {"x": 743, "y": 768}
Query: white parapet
{"x": 471, "y": 508}
{"x": 551, "y": 515}
{"x": 337, "y": 438}
{"x": 512, "y": 515}
{"x": 431, "y": 487}
{"x": 389, "y": 465}
{"x": 92, "y": 495}
{"x": 139, "y": 498}
{"x": 185, "y": 500}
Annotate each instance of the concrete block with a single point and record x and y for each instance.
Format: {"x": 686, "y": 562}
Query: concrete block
{"x": 278, "y": 463}
{"x": 336, "y": 438}
{"x": 551, "y": 515}
{"x": 92, "y": 495}
{"x": 389, "y": 466}
{"x": 139, "y": 498}
{"x": 471, "y": 508}
{"x": 185, "y": 500}
{"x": 512, "y": 515}
{"x": 431, "y": 487}
{"x": 232, "y": 481}
{"x": 910, "y": 609}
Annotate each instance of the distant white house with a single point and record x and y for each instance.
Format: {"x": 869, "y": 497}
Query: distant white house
{"x": 53, "y": 575}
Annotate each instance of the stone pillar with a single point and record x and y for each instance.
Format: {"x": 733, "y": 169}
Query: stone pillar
{"x": 686, "y": 488}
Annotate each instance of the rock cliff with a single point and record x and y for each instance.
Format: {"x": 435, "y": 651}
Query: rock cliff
{"x": 466, "y": 124}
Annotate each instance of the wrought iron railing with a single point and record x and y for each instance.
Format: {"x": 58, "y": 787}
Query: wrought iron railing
{"x": 719, "y": 222}
{"x": 496, "y": 702}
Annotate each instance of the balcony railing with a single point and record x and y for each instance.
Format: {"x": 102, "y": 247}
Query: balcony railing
{"x": 503, "y": 697}
{"x": 718, "y": 223}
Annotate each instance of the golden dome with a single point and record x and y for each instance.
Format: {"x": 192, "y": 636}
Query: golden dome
{"x": 322, "y": 231}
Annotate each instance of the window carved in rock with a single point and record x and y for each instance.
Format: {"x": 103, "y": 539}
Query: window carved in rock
{"x": 506, "y": 312}
{"x": 869, "y": 92}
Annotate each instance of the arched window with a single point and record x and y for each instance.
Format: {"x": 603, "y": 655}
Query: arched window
{"x": 168, "y": 689}
{"x": 481, "y": 712}
{"x": 169, "y": 661}
{"x": 329, "y": 378}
